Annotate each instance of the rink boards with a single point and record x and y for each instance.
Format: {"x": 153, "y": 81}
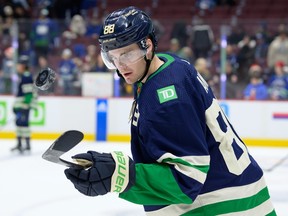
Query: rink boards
{"x": 262, "y": 123}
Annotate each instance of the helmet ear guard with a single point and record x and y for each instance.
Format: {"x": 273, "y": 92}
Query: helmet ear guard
{"x": 142, "y": 44}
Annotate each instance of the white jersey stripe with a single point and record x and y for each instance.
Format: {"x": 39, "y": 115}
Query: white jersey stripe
{"x": 190, "y": 171}
{"x": 193, "y": 160}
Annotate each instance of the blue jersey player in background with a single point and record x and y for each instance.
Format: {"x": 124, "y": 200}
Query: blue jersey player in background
{"x": 187, "y": 157}
{"x": 25, "y": 101}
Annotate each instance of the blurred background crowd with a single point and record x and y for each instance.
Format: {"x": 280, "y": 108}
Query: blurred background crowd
{"x": 240, "y": 44}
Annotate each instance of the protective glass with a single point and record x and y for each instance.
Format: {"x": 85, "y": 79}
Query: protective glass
{"x": 127, "y": 58}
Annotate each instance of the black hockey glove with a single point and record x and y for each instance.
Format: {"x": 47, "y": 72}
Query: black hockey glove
{"x": 109, "y": 172}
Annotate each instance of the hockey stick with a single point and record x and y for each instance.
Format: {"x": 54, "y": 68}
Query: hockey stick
{"x": 64, "y": 143}
{"x": 278, "y": 163}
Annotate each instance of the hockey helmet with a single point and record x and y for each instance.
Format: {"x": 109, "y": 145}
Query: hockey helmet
{"x": 124, "y": 27}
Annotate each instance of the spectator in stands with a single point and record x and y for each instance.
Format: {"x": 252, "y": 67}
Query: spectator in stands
{"x": 94, "y": 27}
{"x": 187, "y": 54}
{"x": 234, "y": 88}
{"x": 174, "y": 47}
{"x": 278, "y": 83}
{"x": 68, "y": 73}
{"x": 261, "y": 49}
{"x": 6, "y": 71}
{"x": 245, "y": 58}
{"x": 202, "y": 39}
{"x": 256, "y": 89}
{"x": 201, "y": 65}
{"x": 179, "y": 31}
{"x": 77, "y": 28}
{"x": 159, "y": 28}
{"x": 90, "y": 59}
{"x": 65, "y": 9}
{"x": 231, "y": 57}
{"x": 205, "y": 4}
{"x": 100, "y": 65}
{"x": 43, "y": 35}
{"x": 278, "y": 49}
{"x": 22, "y": 9}
{"x": 93, "y": 61}
{"x": 237, "y": 34}
{"x": 87, "y": 5}
{"x": 8, "y": 21}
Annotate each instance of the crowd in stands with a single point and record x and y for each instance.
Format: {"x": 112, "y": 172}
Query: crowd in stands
{"x": 256, "y": 65}
{"x": 63, "y": 35}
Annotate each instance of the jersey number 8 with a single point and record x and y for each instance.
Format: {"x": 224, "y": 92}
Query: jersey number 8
{"x": 226, "y": 139}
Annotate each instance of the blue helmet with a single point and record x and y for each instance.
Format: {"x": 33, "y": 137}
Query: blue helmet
{"x": 124, "y": 27}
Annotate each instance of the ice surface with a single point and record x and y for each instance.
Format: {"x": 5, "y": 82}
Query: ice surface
{"x": 31, "y": 186}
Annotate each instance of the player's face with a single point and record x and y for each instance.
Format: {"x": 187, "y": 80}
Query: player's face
{"x": 20, "y": 68}
{"x": 129, "y": 61}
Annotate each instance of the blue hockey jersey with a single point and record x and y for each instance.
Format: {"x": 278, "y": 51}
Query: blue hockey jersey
{"x": 189, "y": 159}
{"x": 26, "y": 97}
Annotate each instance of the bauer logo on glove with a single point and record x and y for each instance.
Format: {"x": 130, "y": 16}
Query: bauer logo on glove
{"x": 109, "y": 172}
{"x": 120, "y": 178}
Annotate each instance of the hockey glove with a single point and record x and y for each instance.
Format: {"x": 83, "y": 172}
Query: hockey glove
{"x": 109, "y": 172}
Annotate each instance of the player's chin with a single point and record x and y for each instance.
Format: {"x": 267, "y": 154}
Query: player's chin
{"x": 129, "y": 80}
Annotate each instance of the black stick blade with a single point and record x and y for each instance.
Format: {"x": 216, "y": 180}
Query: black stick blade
{"x": 64, "y": 143}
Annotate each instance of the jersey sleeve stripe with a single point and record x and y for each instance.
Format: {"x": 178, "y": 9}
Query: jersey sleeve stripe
{"x": 195, "y": 167}
{"x": 265, "y": 208}
{"x": 254, "y": 196}
{"x": 27, "y": 88}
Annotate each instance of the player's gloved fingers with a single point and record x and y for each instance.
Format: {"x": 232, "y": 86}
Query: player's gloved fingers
{"x": 102, "y": 170}
{"x": 74, "y": 173}
{"x": 83, "y": 190}
{"x": 91, "y": 189}
{"x": 86, "y": 187}
{"x": 99, "y": 188}
{"x": 83, "y": 187}
{"x": 100, "y": 157}
{"x": 85, "y": 156}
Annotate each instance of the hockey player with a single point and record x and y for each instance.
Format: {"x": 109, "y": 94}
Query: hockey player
{"x": 187, "y": 158}
{"x": 25, "y": 100}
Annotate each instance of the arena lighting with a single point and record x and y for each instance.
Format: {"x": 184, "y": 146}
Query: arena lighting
{"x": 223, "y": 77}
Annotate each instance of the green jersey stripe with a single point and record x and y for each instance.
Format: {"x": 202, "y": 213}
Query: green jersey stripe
{"x": 160, "y": 189}
{"x": 266, "y": 208}
{"x": 255, "y": 192}
{"x": 233, "y": 206}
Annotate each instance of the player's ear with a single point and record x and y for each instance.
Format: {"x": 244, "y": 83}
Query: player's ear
{"x": 149, "y": 48}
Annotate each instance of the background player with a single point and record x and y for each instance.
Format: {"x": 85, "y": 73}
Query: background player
{"x": 187, "y": 158}
{"x": 25, "y": 100}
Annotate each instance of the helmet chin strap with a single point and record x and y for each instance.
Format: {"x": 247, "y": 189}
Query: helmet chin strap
{"x": 119, "y": 74}
{"x": 148, "y": 62}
